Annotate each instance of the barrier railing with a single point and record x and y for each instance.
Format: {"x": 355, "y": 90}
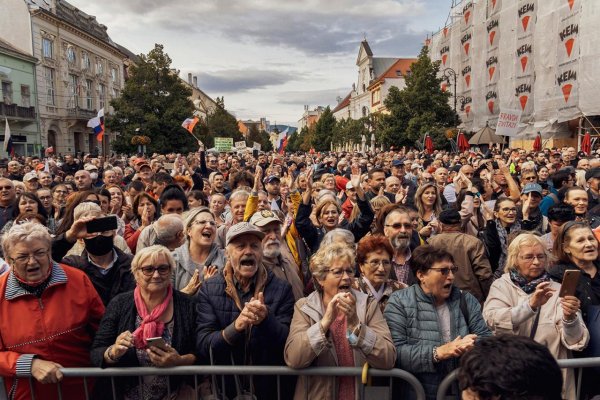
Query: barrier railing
{"x": 573, "y": 363}
{"x": 196, "y": 371}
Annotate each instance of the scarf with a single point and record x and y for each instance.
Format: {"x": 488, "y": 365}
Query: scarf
{"x": 35, "y": 288}
{"x": 524, "y": 284}
{"x": 150, "y": 326}
{"x": 503, "y": 235}
{"x": 345, "y": 356}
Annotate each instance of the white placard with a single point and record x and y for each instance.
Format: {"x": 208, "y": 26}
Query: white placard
{"x": 240, "y": 145}
{"x": 508, "y": 122}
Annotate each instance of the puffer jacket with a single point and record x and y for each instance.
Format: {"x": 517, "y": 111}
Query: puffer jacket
{"x": 218, "y": 305}
{"x": 413, "y": 320}
{"x": 185, "y": 266}
{"x": 306, "y": 346}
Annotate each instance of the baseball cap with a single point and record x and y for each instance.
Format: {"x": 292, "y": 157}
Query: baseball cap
{"x": 532, "y": 187}
{"x": 140, "y": 162}
{"x": 30, "y": 176}
{"x": 90, "y": 167}
{"x": 240, "y": 229}
{"x": 349, "y": 185}
{"x": 592, "y": 173}
{"x": 398, "y": 163}
{"x": 416, "y": 166}
{"x": 271, "y": 178}
{"x": 264, "y": 217}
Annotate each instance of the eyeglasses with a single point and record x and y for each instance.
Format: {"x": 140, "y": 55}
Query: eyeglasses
{"x": 162, "y": 270}
{"x": 377, "y": 263}
{"x": 23, "y": 259}
{"x": 6, "y": 187}
{"x": 59, "y": 191}
{"x": 531, "y": 257}
{"x": 508, "y": 210}
{"x": 204, "y": 222}
{"x": 399, "y": 225}
{"x": 338, "y": 273}
{"x": 529, "y": 178}
{"x": 445, "y": 271}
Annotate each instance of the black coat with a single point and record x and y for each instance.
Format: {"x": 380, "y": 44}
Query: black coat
{"x": 118, "y": 279}
{"x": 588, "y": 289}
{"x": 119, "y": 317}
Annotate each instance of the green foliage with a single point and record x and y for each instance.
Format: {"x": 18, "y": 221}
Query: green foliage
{"x": 222, "y": 124}
{"x": 351, "y": 131}
{"x": 420, "y": 108}
{"x": 324, "y": 129}
{"x": 262, "y": 137}
{"x": 156, "y": 101}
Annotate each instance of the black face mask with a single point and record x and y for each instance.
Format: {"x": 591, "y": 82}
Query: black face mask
{"x": 99, "y": 245}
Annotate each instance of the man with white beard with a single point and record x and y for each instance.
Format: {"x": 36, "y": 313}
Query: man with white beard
{"x": 273, "y": 247}
{"x": 398, "y": 227}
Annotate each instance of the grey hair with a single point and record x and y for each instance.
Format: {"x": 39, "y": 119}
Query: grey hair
{"x": 86, "y": 208}
{"x": 152, "y": 252}
{"x": 336, "y": 235}
{"x": 238, "y": 194}
{"x": 25, "y": 232}
{"x": 524, "y": 240}
{"x": 167, "y": 227}
{"x": 324, "y": 193}
{"x": 322, "y": 260}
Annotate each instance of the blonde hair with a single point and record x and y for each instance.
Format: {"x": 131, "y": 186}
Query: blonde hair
{"x": 86, "y": 209}
{"x": 517, "y": 244}
{"x": 152, "y": 252}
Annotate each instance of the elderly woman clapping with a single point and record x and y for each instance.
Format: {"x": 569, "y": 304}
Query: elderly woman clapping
{"x": 524, "y": 301}
{"x": 152, "y": 310}
{"x": 336, "y": 326}
{"x": 38, "y": 336}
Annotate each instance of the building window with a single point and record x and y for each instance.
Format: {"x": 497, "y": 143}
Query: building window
{"x": 7, "y": 92}
{"x": 115, "y": 93}
{"x": 365, "y": 111}
{"x": 89, "y": 99}
{"x": 73, "y": 91}
{"x": 114, "y": 74}
{"x": 50, "y": 89}
{"x": 71, "y": 56}
{"x": 101, "y": 95}
{"x": 376, "y": 98}
{"x": 99, "y": 67}
{"x": 85, "y": 61}
{"x": 25, "y": 96}
{"x": 47, "y": 48}
{"x": 398, "y": 73}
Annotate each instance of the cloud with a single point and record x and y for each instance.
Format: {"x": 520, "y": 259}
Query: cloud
{"x": 239, "y": 80}
{"x": 322, "y": 97}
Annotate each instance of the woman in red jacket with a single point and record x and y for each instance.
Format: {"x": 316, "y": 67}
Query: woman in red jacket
{"x": 49, "y": 315}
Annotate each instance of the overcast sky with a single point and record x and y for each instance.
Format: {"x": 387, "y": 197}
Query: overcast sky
{"x": 270, "y": 57}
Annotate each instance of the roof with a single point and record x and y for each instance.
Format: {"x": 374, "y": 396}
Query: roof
{"x": 344, "y": 103}
{"x": 13, "y": 51}
{"x": 381, "y": 65}
{"x": 365, "y": 44}
{"x": 402, "y": 64}
{"x": 133, "y": 57}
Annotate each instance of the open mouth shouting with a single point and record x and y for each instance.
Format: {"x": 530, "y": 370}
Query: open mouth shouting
{"x": 248, "y": 262}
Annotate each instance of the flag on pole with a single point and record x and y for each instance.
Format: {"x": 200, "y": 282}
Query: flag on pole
{"x": 189, "y": 124}
{"x": 97, "y": 124}
{"x": 282, "y": 139}
{"x": 8, "y": 144}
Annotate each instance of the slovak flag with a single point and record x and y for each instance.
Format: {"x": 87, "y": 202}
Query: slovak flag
{"x": 8, "y": 144}
{"x": 189, "y": 124}
{"x": 283, "y": 139}
{"x": 97, "y": 124}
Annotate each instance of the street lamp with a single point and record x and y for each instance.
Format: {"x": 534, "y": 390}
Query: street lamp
{"x": 447, "y": 74}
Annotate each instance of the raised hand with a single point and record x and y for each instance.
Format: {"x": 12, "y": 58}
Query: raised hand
{"x": 570, "y": 305}
{"x": 543, "y": 293}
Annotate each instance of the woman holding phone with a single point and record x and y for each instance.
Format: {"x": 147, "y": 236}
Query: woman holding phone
{"x": 525, "y": 301}
{"x": 152, "y": 310}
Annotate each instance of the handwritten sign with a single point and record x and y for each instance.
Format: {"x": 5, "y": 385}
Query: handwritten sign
{"x": 508, "y": 122}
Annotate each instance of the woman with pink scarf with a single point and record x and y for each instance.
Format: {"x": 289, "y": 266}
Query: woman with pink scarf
{"x": 152, "y": 310}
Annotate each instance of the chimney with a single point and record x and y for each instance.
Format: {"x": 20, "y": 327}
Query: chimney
{"x": 338, "y": 99}
{"x": 195, "y": 81}
{"x": 190, "y": 78}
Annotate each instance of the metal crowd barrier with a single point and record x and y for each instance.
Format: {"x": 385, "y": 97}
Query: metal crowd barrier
{"x": 573, "y": 363}
{"x": 208, "y": 370}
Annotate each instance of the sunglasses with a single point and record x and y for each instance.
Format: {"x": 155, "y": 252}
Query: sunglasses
{"x": 446, "y": 271}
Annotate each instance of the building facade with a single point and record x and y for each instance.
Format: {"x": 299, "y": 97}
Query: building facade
{"x": 18, "y": 101}
{"x": 80, "y": 71}
{"x": 310, "y": 117}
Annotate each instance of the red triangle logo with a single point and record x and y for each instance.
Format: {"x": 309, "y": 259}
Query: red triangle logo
{"x": 445, "y": 31}
{"x": 524, "y": 61}
{"x": 566, "y": 89}
{"x": 468, "y": 110}
{"x": 569, "y": 45}
{"x": 491, "y": 106}
{"x": 468, "y": 80}
{"x": 491, "y": 71}
{"x": 467, "y": 16}
{"x": 523, "y": 100}
{"x": 525, "y": 22}
{"x": 444, "y": 58}
{"x": 571, "y": 2}
{"x": 444, "y": 86}
{"x": 467, "y": 45}
{"x": 492, "y": 36}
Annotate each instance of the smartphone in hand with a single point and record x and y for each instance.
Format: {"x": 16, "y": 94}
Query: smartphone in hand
{"x": 569, "y": 282}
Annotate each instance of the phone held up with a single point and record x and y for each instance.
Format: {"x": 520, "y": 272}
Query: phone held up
{"x": 157, "y": 342}
{"x": 102, "y": 224}
{"x": 569, "y": 282}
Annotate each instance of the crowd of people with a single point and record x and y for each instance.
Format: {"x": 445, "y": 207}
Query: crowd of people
{"x": 396, "y": 259}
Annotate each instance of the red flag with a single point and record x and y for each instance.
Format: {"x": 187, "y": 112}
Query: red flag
{"x": 586, "y": 144}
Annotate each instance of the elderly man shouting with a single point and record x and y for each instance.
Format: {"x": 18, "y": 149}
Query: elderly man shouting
{"x": 244, "y": 314}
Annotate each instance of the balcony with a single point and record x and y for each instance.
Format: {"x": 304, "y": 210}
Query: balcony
{"x": 80, "y": 113}
{"x": 15, "y": 111}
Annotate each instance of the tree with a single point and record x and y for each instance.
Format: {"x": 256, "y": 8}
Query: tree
{"x": 155, "y": 101}
{"x": 324, "y": 129}
{"x": 293, "y": 143}
{"x": 261, "y": 137}
{"x": 350, "y": 131}
{"x": 421, "y": 107}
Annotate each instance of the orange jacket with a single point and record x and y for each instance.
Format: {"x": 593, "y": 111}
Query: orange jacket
{"x": 57, "y": 327}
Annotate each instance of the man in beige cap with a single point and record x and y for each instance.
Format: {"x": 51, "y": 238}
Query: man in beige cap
{"x": 275, "y": 251}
